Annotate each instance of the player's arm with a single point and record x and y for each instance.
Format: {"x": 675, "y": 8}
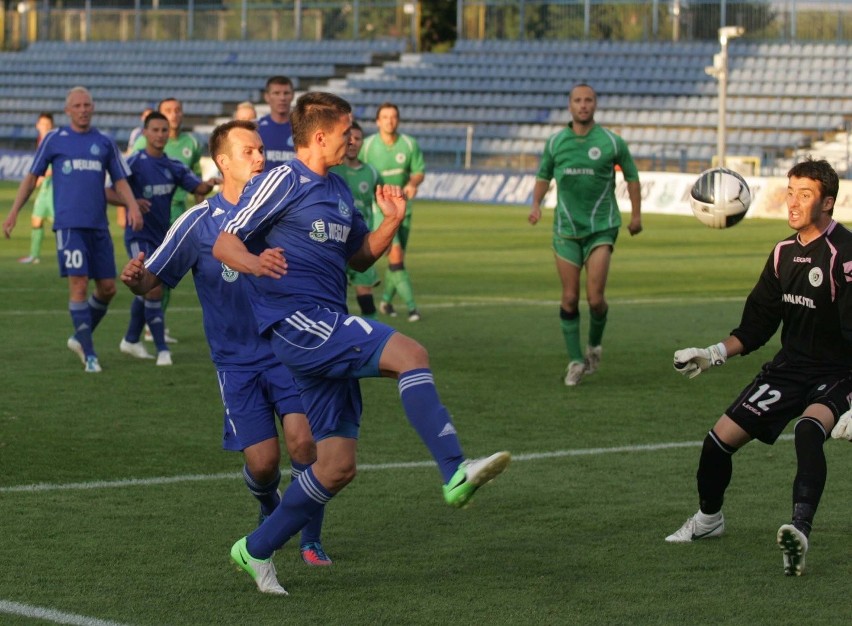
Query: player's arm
{"x": 137, "y": 277}
{"x": 634, "y": 192}
{"x": 539, "y": 191}
{"x": 692, "y": 361}
{"x": 25, "y": 190}
{"x": 413, "y": 183}
{"x": 390, "y": 200}
{"x": 125, "y": 194}
{"x": 231, "y": 250}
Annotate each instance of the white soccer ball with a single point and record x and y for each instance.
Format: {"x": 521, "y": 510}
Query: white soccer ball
{"x": 720, "y": 198}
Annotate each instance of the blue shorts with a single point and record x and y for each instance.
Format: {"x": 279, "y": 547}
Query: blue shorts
{"x": 85, "y": 252}
{"x": 135, "y": 246}
{"x": 252, "y": 398}
{"x": 327, "y": 352}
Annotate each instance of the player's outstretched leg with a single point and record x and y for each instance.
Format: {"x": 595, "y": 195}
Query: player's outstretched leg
{"x": 261, "y": 570}
{"x": 471, "y": 475}
{"x": 794, "y": 547}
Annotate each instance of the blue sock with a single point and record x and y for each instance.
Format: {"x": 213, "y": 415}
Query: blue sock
{"x": 155, "y": 318}
{"x": 81, "y": 318}
{"x": 97, "y": 309}
{"x": 303, "y": 498}
{"x": 266, "y": 494}
{"x": 137, "y": 320}
{"x": 431, "y": 419}
{"x": 313, "y": 529}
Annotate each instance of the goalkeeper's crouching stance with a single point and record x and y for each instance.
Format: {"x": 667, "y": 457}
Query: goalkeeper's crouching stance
{"x": 805, "y": 288}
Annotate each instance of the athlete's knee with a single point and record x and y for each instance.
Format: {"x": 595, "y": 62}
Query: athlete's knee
{"x": 264, "y": 469}
{"x": 301, "y": 448}
{"x": 402, "y": 353}
{"x": 105, "y": 291}
{"x": 598, "y": 305}
{"x": 336, "y": 474}
{"x": 570, "y": 302}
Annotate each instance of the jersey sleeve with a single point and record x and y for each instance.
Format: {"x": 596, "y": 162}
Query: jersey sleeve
{"x": 625, "y": 160}
{"x": 843, "y": 280}
{"x": 116, "y": 165}
{"x": 545, "y": 167}
{"x": 418, "y": 163}
{"x": 180, "y": 249}
{"x": 762, "y": 311}
{"x": 43, "y": 155}
{"x": 184, "y": 176}
{"x": 265, "y": 198}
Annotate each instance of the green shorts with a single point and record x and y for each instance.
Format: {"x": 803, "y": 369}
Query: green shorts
{"x": 401, "y": 236}
{"x": 577, "y": 251}
{"x": 43, "y": 206}
{"x": 370, "y": 278}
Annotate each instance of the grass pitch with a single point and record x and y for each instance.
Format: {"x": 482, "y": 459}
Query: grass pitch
{"x": 140, "y": 505}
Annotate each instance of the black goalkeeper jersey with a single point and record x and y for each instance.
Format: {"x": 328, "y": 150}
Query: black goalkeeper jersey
{"x": 806, "y": 288}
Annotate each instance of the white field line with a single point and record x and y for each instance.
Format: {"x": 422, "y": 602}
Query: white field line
{"x": 467, "y": 302}
{"x": 50, "y": 615}
{"x": 367, "y": 467}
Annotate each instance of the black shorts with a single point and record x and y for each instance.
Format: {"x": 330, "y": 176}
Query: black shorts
{"x": 782, "y": 391}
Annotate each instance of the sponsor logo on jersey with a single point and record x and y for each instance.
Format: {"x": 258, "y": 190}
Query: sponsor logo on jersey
{"x": 815, "y": 276}
{"x": 847, "y": 271}
{"x": 229, "y": 275}
{"x": 318, "y": 232}
{"x": 343, "y": 208}
{"x": 801, "y": 259}
{"x": 338, "y": 232}
{"x": 578, "y": 171}
{"x": 594, "y": 153}
{"x": 158, "y": 190}
{"x": 94, "y": 149}
{"x": 81, "y": 165}
{"x": 279, "y": 155}
{"x": 791, "y": 298}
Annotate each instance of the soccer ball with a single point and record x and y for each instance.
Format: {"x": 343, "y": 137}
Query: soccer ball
{"x": 720, "y": 198}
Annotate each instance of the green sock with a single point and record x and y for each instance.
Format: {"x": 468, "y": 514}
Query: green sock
{"x": 596, "y": 328}
{"x": 390, "y": 286}
{"x": 166, "y": 297}
{"x": 36, "y": 238}
{"x": 406, "y": 291}
{"x": 571, "y": 332}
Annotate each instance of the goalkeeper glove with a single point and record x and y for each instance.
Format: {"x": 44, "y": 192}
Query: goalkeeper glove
{"x": 843, "y": 430}
{"x": 692, "y": 361}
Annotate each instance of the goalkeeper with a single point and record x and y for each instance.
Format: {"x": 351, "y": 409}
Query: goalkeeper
{"x": 805, "y": 288}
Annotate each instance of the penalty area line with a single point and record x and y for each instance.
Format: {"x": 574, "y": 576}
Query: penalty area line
{"x": 51, "y": 615}
{"x": 369, "y": 467}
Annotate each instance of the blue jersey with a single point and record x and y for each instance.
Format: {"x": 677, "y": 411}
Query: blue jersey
{"x": 155, "y": 179}
{"x": 277, "y": 142}
{"x": 80, "y": 163}
{"x": 234, "y": 344}
{"x": 314, "y": 219}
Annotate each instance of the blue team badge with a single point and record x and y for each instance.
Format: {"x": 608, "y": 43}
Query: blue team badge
{"x": 147, "y": 192}
{"x": 229, "y": 275}
{"x": 168, "y": 175}
{"x": 290, "y": 141}
{"x": 95, "y": 150}
{"x": 344, "y": 209}
{"x": 66, "y": 167}
{"x": 318, "y": 231}
{"x": 594, "y": 153}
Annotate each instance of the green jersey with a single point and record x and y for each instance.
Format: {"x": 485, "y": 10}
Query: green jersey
{"x": 395, "y": 163}
{"x": 186, "y": 149}
{"x": 362, "y": 181}
{"x": 584, "y": 169}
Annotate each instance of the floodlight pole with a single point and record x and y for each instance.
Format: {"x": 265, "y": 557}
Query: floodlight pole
{"x": 719, "y": 70}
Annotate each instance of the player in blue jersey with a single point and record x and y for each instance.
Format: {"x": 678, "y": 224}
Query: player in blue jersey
{"x": 275, "y": 128}
{"x": 155, "y": 178}
{"x": 254, "y": 384}
{"x": 81, "y": 157}
{"x": 300, "y": 305}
